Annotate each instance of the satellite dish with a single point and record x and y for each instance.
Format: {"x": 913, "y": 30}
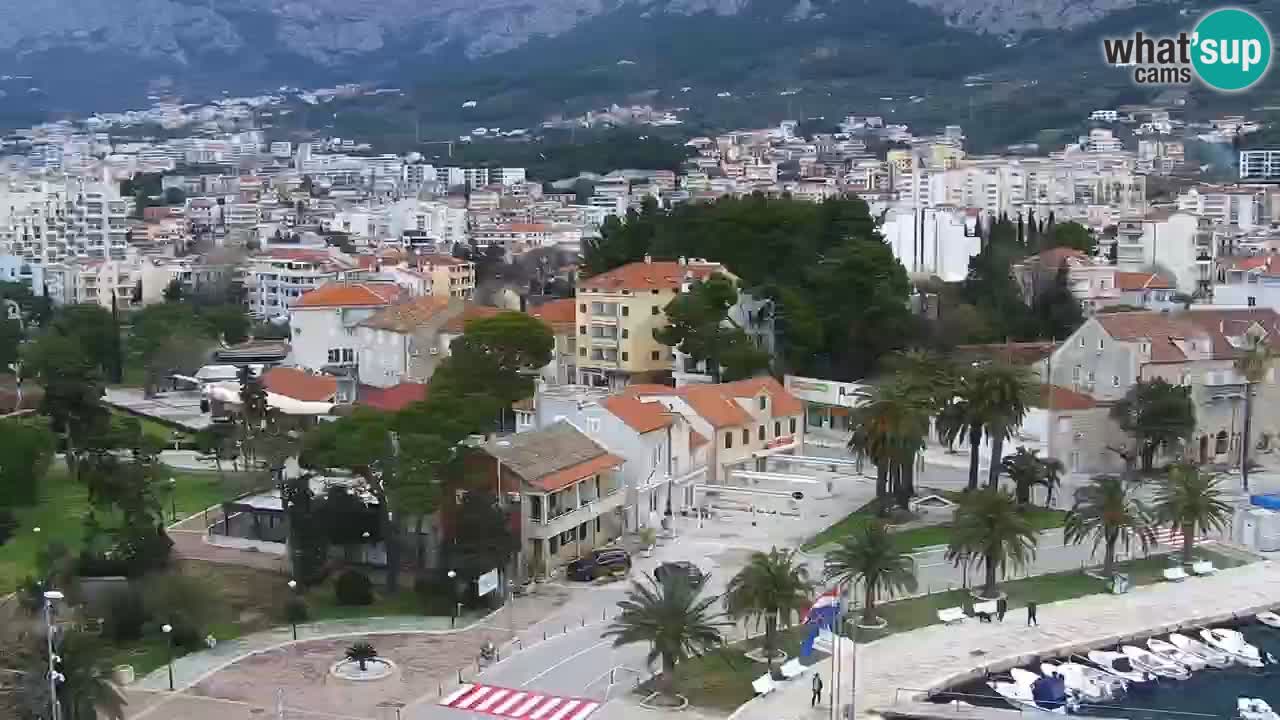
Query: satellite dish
{"x": 797, "y": 495}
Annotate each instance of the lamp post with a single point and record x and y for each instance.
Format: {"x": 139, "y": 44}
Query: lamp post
{"x": 173, "y": 500}
{"x": 168, "y": 633}
{"x": 293, "y": 619}
{"x": 51, "y": 596}
{"x": 453, "y": 588}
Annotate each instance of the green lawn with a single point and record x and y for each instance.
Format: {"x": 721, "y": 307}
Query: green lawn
{"x": 64, "y": 504}
{"x": 916, "y": 538}
{"x": 722, "y": 680}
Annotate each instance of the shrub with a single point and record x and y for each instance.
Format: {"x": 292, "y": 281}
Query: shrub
{"x": 125, "y": 616}
{"x": 361, "y": 652}
{"x": 353, "y": 588}
{"x": 8, "y": 525}
{"x": 183, "y": 601}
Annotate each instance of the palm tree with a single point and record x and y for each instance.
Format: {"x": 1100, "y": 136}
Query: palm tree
{"x": 1254, "y": 365}
{"x": 672, "y": 618}
{"x": 1191, "y": 502}
{"x": 988, "y": 525}
{"x": 1106, "y": 511}
{"x": 362, "y": 653}
{"x": 86, "y": 691}
{"x": 771, "y": 587}
{"x": 960, "y": 419}
{"x": 1025, "y": 468}
{"x": 1002, "y": 394}
{"x": 890, "y": 429}
{"x": 868, "y": 556}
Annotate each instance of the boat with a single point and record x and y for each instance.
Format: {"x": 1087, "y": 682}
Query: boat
{"x": 1255, "y": 709}
{"x": 1269, "y": 619}
{"x": 1089, "y": 683}
{"x": 1213, "y": 656}
{"x": 1119, "y": 665}
{"x": 1234, "y": 644}
{"x": 1169, "y": 652}
{"x": 1028, "y": 691}
{"x": 1149, "y": 661}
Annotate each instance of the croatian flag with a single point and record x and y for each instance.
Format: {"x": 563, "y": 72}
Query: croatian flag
{"x": 821, "y": 615}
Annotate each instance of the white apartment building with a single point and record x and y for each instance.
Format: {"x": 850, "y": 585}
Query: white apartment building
{"x": 1260, "y": 165}
{"x": 324, "y": 322}
{"x": 1180, "y": 243}
{"x": 1242, "y": 206}
{"x": 49, "y": 221}
{"x": 936, "y": 241}
{"x": 275, "y": 279}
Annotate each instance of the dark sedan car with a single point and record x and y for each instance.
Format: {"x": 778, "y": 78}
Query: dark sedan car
{"x": 598, "y": 563}
{"x": 683, "y": 568}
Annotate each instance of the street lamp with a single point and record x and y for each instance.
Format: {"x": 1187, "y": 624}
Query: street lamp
{"x": 51, "y": 596}
{"x": 293, "y": 618}
{"x": 173, "y": 501}
{"x": 167, "y": 629}
{"x": 457, "y": 606}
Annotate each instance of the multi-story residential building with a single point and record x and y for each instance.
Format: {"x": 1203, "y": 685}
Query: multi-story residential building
{"x": 324, "y": 322}
{"x": 450, "y": 276}
{"x": 407, "y": 340}
{"x": 1195, "y": 349}
{"x": 935, "y": 241}
{"x": 1244, "y": 207}
{"x": 275, "y": 279}
{"x": 665, "y": 457}
{"x": 1248, "y": 282}
{"x": 1092, "y": 283}
{"x": 1260, "y": 165}
{"x": 1179, "y": 242}
{"x": 618, "y": 312}
{"x": 562, "y": 489}
{"x": 560, "y": 316}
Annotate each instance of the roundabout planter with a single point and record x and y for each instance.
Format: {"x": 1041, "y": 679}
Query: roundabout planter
{"x": 757, "y": 655}
{"x": 375, "y": 669}
{"x": 668, "y": 703}
{"x": 872, "y": 623}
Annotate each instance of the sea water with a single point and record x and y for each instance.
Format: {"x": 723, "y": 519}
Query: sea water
{"x": 1208, "y": 692}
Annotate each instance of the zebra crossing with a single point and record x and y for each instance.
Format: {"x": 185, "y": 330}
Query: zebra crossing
{"x": 517, "y": 704}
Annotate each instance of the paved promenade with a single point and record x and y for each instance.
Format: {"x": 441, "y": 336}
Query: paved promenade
{"x": 938, "y": 655}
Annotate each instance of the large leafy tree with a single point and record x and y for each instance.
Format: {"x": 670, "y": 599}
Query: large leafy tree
{"x": 481, "y": 539}
{"x": 1157, "y": 415}
{"x": 168, "y": 337}
{"x": 773, "y": 587}
{"x": 25, "y": 454}
{"x": 1073, "y": 235}
{"x": 698, "y": 323}
{"x": 869, "y": 556}
{"x": 72, "y": 391}
{"x": 1192, "y": 503}
{"x": 98, "y": 333}
{"x": 85, "y": 692}
{"x": 1109, "y": 514}
{"x": 1055, "y": 310}
{"x": 988, "y": 526}
{"x": 1253, "y": 364}
{"x": 672, "y": 618}
{"x": 10, "y": 343}
{"x": 497, "y": 356}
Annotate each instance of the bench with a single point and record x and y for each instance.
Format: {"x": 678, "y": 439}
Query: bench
{"x": 764, "y": 684}
{"x": 792, "y": 669}
{"x": 1174, "y": 574}
{"x": 951, "y": 615}
{"x": 1203, "y": 567}
{"x": 990, "y": 607}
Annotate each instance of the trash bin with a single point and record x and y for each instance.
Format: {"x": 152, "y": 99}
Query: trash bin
{"x": 1119, "y": 584}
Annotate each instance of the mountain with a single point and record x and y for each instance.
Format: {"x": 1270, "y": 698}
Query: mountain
{"x": 523, "y": 59}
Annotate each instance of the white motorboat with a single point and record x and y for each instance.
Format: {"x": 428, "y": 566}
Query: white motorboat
{"x": 1020, "y": 692}
{"x": 1213, "y": 656}
{"x": 1269, "y": 619}
{"x": 1090, "y": 683}
{"x": 1164, "y": 649}
{"x": 1234, "y": 644}
{"x": 1149, "y": 661}
{"x": 1119, "y": 665}
{"x": 1255, "y": 709}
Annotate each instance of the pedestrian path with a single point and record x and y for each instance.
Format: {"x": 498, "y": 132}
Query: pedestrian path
{"x": 190, "y": 669}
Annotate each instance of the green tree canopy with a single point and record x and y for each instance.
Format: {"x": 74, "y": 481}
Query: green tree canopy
{"x": 1156, "y": 415}
{"x": 868, "y": 556}
{"x": 773, "y": 587}
{"x": 1073, "y": 235}
{"x": 989, "y": 527}
{"x": 1055, "y": 310}
{"x": 1192, "y": 503}
{"x": 25, "y": 454}
{"x": 698, "y": 324}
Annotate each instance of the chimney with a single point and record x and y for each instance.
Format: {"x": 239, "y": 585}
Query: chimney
{"x": 648, "y": 259}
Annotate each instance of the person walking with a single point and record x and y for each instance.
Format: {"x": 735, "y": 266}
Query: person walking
{"x": 1031, "y": 614}
{"x": 817, "y": 690}
{"x": 1002, "y": 607}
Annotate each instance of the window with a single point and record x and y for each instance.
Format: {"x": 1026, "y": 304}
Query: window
{"x": 597, "y": 525}
{"x": 553, "y": 546}
{"x": 1081, "y": 341}
{"x": 1185, "y": 380}
{"x": 624, "y": 357}
{"x": 777, "y": 428}
{"x": 793, "y": 426}
{"x": 764, "y": 402}
{"x": 582, "y": 329}
{"x": 582, "y": 531}
{"x": 1253, "y": 301}
{"x": 760, "y": 434}
{"x": 1115, "y": 381}
{"x": 1075, "y": 374}
{"x": 582, "y": 352}
{"x": 1102, "y": 344}
{"x": 728, "y": 440}
{"x": 1220, "y": 443}
{"x": 1091, "y": 376}
{"x": 655, "y": 354}
{"x": 654, "y": 310}
{"x": 582, "y": 308}
{"x": 746, "y": 436}
{"x": 625, "y": 333}
{"x": 625, "y": 311}
{"x": 593, "y": 425}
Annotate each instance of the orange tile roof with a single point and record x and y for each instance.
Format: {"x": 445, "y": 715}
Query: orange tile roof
{"x": 657, "y": 275}
{"x": 1142, "y": 281}
{"x": 439, "y": 259}
{"x": 782, "y": 402}
{"x": 1054, "y": 257}
{"x": 300, "y": 384}
{"x": 344, "y": 294}
{"x": 715, "y": 406}
{"x": 640, "y": 416}
{"x": 407, "y": 316}
{"x": 1160, "y": 328}
{"x": 458, "y": 323}
{"x": 1252, "y": 262}
{"x": 559, "y": 314}
{"x": 718, "y": 405}
{"x": 568, "y": 476}
{"x": 392, "y": 399}
{"x": 1056, "y": 397}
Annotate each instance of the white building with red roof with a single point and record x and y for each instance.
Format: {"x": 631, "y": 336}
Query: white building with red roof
{"x": 323, "y": 321}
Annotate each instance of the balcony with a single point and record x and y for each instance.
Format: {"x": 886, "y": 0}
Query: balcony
{"x": 567, "y": 518}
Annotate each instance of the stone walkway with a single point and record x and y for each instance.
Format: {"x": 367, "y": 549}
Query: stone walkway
{"x": 937, "y": 656}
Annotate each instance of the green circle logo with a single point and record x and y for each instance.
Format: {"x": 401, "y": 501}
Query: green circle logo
{"x": 1231, "y": 49}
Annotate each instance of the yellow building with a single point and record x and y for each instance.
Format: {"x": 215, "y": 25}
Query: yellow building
{"x": 618, "y": 312}
{"x": 450, "y": 276}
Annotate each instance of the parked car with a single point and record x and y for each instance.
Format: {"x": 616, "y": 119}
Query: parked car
{"x": 683, "y": 568}
{"x": 598, "y": 563}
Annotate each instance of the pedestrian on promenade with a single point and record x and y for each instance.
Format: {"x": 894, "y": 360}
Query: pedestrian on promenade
{"x": 1002, "y": 607}
{"x": 817, "y": 690}
{"x": 1031, "y": 614}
